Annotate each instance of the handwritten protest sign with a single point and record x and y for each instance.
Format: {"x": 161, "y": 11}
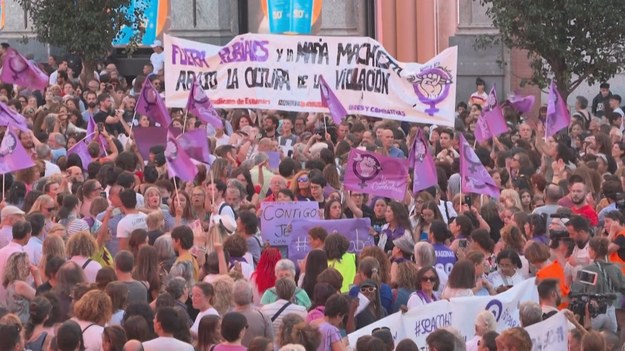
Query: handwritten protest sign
{"x": 550, "y": 334}
{"x": 263, "y": 71}
{"x": 356, "y": 231}
{"x": 375, "y": 174}
{"x": 277, "y": 216}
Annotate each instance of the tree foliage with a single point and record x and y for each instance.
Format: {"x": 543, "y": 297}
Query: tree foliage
{"x": 86, "y": 28}
{"x": 571, "y": 40}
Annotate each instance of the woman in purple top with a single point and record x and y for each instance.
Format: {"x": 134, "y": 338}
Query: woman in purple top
{"x": 233, "y": 327}
{"x": 336, "y": 309}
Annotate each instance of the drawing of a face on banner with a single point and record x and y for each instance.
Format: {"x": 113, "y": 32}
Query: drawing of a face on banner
{"x": 431, "y": 85}
{"x": 420, "y": 149}
{"x": 8, "y": 144}
{"x": 171, "y": 151}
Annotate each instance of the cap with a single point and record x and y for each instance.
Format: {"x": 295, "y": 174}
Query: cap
{"x": 157, "y": 43}
{"x": 405, "y": 244}
{"x": 227, "y": 223}
{"x": 368, "y": 282}
{"x": 11, "y": 210}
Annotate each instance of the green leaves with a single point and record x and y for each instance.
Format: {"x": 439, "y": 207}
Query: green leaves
{"x": 571, "y": 40}
{"x": 83, "y": 27}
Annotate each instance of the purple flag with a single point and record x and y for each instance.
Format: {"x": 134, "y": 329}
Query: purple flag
{"x": 490, "y": 124}
{"x": 475, "y": 177}
{"x": 80, "y": 149}
{"x": 91, "y": 128}
{"x": 13, "y": 156}
{"x": 374, "y": 174}
{"x": 195, "y": 143}
{"x": 355, "y": 230}
{"x": 9, "y": 117}
{"x": 146, "y": 137}
{"x": 151, "y": 104}
{"x": 329, "y": 100}
{"x": 491, "y": 100}
{"x": 200, "y": 105}
{"x": 422, "y": 163}
{"x": 557, "y": 112}
{"x": 18, "y": 70}
{"x": 523, "y": 104}
{"x": 179, "y": 163}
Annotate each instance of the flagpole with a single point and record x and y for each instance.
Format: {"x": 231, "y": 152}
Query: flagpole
{"x": 3, "y": 182}
{"x": 177, "y": 197}
{"x": 80, "y": 141}
{"x": 184, "y": 125}
{"x": 214, "y": 186}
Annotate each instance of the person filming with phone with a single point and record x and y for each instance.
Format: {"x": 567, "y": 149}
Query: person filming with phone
{"x": 596, "y": 287}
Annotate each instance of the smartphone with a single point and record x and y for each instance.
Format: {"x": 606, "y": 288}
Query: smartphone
{"x": 463, "y": 243}
{"x": 468, "y": 200}
{"x": 587, "y": 277}
{"x": 100, "y": 127}
{"x": 103, "y": 194}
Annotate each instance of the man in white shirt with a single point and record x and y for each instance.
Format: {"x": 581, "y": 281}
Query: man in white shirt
{"x": 34, "y": 248}
{"x": 54, "y": 75}
{"x": 579, "y": 231}
{"x": 9, "y": 215}
{"x": 216, "y": 191}
{"x": 133, "y": 219}
{"x": 166, "y": 322}
{"x": 158, "y": 57}
{"x": 44, "y": 153}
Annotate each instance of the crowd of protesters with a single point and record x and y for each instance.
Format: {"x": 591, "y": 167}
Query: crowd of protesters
{"x": 112, "y": 255}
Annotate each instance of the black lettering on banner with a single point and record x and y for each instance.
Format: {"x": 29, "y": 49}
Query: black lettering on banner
{"x": 313, "y": 52}
{"x": 301, "y": 81}
{"x": 207, "y": 80}
{"x": 258, "y": 77}
{"x": 365, "y": 54}
{"x": 289, "y": 55}
{"x": 371, "y": 80}
{"x": 233, "y": 78}
{"x": 279, "y": 52}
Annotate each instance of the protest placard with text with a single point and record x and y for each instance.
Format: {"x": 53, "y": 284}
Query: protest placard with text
{"x": 276, "y": 217}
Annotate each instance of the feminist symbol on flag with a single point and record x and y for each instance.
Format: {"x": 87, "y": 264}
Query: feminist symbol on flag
{"x": 17, "y": 65}
{"x": 475, "y": 166}
{"x": 366, "y": 167}
{"x": 150, "y": 96}
{"x": 431, "y": 86}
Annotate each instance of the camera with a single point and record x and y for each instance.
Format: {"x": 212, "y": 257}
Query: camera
{"x": 597, "y": 303}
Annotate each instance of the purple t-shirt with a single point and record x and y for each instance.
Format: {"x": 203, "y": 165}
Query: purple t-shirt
{"x": 329, "y": 335}
{"x": 445, "y": 257}
{"x": 223, "y": 347}
{"x": 315, "y": 314}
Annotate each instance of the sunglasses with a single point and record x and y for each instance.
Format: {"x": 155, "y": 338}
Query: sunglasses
{"x": 368, "y": 289}
{"x": 380, "y": 329}
{"x": 302, "y": 179}
{"x": 431, "y": 279}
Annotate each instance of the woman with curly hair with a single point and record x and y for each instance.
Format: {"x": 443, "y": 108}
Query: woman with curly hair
{"x": 80, "y": 248}
{"x": 53, "y": 246}
{"x": 397, "y": 225}
{"x": 264, "y": 276}
{"x": 18, "y": 292}
{"x": 284, "y": 334}
{"x": 407, "y": 283}
{"x": 382, "y": 258}
{"x": 92, "y": 311}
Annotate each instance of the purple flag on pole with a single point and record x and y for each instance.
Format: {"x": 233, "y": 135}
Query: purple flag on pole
{"x": 491, "y": 100}
{"x": 355, "y": 230}
{"x": 490, "y": 124}
{"x": 9, "y": 117}
{"x": 523, "y": 104}
{"x": 18, "y": 70}
{"x": 179, "y": 163}
{"x": 329, "y": 100}
{"x": 151, "y": 104}
{"x": 200, "y": 105}
{"x": 80, "y": 149}
{"x": 475, "y": 177}
{"x": 374, "y": 174}
{"x": 422, "y": 163}
{"x": 195, "y": 143}
{"x": 146, "y": 137}
{"x": 91, "y": 128}
{"x": 557, "y": 112}
{"x": 13, "y": 156}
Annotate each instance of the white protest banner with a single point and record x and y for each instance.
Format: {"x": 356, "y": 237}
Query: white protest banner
{"x": 504, "y": 306}
{"x": 550, "y": 334}
{"x": 277, "y": 216}
{"x": 278, "y": 72}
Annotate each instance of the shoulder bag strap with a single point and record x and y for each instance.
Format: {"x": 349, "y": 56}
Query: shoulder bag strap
{"x": 85, "y": 265}
{"x": 275, "y": 316}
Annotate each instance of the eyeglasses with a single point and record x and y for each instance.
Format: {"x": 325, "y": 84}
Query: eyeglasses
{"x": 430, "y": 279}
{"x": 357, "y": 195}
{"x": 368, "y": 289}
{"x": 302, "y": 179}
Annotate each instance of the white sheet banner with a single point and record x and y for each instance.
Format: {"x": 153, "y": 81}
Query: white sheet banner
{"x": 550, "y": 334}
{"x": 458, "y": 313}
{"x": 278, "y": 72}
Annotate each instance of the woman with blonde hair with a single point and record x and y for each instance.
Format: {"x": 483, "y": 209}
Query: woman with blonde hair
{"x": 511, "y": 198}
{"x": 92, "y": 311}
{"x": 301, "y": 186}
{"x": 48, "y": 207}
{"x": 223, "y": 300}
{"x": 80, "y": 247}
{"x": 18, "y": 292}
{"x": 484, "y": 322}
{"x": 53, "y": 246}
{"x": 153, "y": 202}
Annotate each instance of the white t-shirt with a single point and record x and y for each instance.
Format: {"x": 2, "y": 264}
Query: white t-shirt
{"x": 164, "y": 343}
{"x": 208, "y": 312}
{"x": 131, "y": 222}
{"x": 51, "y": 168}
{"x": 91, "y": 269}
{"x": 158, "y": 61}
{"x": 91, "y": 335}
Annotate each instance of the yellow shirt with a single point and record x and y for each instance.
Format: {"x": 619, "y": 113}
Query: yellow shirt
{"x": 347, "y": 267}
